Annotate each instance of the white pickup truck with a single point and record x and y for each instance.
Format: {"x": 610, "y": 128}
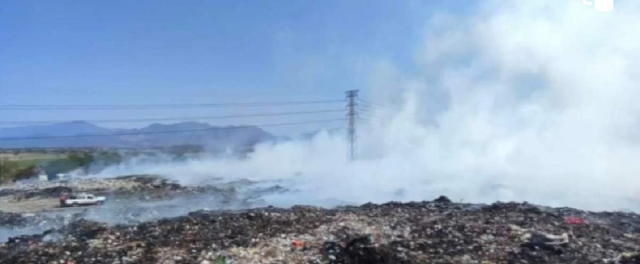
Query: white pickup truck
{"x": 81, "y": 199}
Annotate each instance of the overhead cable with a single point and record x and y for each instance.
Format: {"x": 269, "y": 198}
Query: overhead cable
{"x": 156, "y": 106}
{"x": 135, "y": 120}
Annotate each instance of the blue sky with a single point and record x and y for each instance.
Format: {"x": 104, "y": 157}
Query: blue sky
{"x": 147, "y": 52}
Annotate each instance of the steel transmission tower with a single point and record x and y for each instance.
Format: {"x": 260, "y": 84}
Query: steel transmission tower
{"x": 352, "y": 116}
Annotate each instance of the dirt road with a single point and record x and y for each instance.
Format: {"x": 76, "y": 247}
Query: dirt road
{"x": 30, "y": 206}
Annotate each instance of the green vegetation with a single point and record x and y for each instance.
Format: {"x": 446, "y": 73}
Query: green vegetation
{"x": 19, "y": 165}
{"x": 22, "y": 164}
{"x": 26, "y": 165}
{"x": 11, "y": 171}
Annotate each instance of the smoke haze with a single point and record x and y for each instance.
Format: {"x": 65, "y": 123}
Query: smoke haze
{"x": 520, "y": 101}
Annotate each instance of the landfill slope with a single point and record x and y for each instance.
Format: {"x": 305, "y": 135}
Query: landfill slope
{"x": 421, "y": 232}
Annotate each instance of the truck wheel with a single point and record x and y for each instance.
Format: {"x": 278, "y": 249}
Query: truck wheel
{"x": 75, "y": 204}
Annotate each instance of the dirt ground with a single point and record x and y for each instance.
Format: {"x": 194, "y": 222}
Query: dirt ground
{"x": 30, "y": 206}
{"x": 44, "y": 196}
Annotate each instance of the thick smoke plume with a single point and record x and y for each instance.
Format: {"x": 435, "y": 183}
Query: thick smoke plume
{"x": 522, "y": 100}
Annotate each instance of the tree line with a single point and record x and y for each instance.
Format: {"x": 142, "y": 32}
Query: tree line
{"x": 84, "y": 159}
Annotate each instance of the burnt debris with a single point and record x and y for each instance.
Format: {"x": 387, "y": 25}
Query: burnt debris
{"x": 424, "y": 232}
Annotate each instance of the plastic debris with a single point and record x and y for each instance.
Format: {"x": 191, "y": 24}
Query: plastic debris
{"x": 575, "y": 221}
{"x": 297, "y": 244}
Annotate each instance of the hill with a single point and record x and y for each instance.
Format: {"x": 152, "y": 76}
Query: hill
{"x": 84, "y": 134}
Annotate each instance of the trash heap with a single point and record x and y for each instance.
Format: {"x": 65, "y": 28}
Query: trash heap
{"x": 419, "y": 232}
{"x": 12, "y": 224}
{"x": 13, "y": 219}
{"x": 17, "y": 221}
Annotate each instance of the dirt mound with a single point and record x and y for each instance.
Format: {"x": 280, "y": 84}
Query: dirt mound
{"x": 52, "y": 192}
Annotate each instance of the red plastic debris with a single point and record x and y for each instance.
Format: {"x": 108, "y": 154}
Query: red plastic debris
{"x": 297, "y": 244}
{"x": 575, "y": 221}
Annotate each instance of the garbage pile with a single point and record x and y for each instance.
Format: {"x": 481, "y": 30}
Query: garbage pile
{"x": 15, "y": 220}
{"x": 13, "y": 224}
{"x": 51, "y": 192}
{"x": 149, "y": 181}
{"x": 149, "y": 188}
{"x": 12, "y": 219}
{"x": 419, "y": 232}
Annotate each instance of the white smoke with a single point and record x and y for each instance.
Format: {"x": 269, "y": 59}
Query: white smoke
{"x": 521, "y": 100}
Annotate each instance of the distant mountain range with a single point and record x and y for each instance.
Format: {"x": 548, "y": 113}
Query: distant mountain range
{"x": 84, "y": 134}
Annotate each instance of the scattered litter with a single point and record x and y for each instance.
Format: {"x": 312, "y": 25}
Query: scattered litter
{"x": 219, "y": 260}
{"x": 575, "y": 221}
{"x": 297, "y": 244}
{"x": 538, "y": 240}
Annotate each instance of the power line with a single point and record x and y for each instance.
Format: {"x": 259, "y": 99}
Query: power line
{"x": 135, "y": 120}
{"x": 158, "y": 106}
{"x": 170, "y": 131}
{"x": 369, "y": 107}
{"x": 364, "y": 120}
{"x": 367, "y": 116}
{"x": 366, "y": 102}
{"x": 366, "y": 110}
{"x": 374, "y": 106}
